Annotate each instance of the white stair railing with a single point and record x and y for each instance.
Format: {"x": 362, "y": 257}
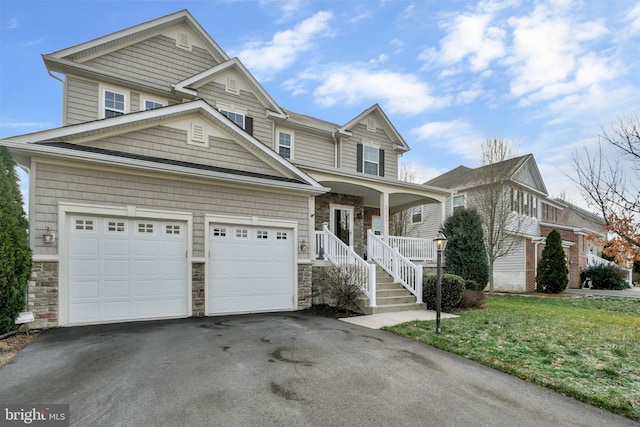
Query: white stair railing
{"x": 397, "y": 265}
{"x": 414, "y": 248}
{"x": 330, "y": 247}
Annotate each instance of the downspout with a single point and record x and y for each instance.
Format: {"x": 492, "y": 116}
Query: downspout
{"x": 55, "y": 77}
{"x": 335, "y": 149}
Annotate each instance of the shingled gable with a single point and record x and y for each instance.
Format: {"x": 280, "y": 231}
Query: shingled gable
{"x": 236, "y": 67}
{"x": 66, "y": 142}
{"x": 515, "y": 169}
{"x": 380, "y": 117}
{"x": 75, "y": 59}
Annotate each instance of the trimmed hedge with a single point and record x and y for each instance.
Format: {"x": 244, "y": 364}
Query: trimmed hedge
{"x": 452, "y": 288}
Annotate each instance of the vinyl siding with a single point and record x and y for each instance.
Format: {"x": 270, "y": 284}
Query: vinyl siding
{"x": 262, "y": 128}
{"x": 312, "y": 149}
{"x": 157, "y": 60}
{"x": 169, "y": 143}
{"x": 82, "y": 101}
{"x": 525, "y": 176}
{"x": 362, "y": 136}
{"x": 69, "y": 183}
{"x": 431, "y": 222}
{"x": 514, "y": 261}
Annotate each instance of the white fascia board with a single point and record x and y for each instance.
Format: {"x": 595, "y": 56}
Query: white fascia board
{"x": 47, "y": 151}
{"x": 156, "y": 114}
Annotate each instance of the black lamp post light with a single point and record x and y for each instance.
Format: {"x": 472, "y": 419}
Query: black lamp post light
{"x": 441, "y": 242}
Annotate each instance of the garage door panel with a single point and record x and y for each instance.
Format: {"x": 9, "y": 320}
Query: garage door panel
{"x": 250, "y": 269}
{"x": 120, "y": 269}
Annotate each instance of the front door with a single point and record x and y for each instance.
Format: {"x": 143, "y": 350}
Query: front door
{"x": 342, "y": 223}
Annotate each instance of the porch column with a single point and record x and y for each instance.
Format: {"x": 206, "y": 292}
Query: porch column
{"x": 384, "y": 215}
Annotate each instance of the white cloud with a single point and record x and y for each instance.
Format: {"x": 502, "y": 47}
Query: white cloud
{"x": 457, "y": 136}
{"x": 550, "y": 49}
{"x": 469, "y": 36}
{"x": 265, "y": 59}
{"x": 633, "y": 17}
{"x": 356, "y": 83}
{"x": 12, "y": 24}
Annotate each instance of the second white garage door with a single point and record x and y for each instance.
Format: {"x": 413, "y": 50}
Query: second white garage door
{"x": 251, "y": 269}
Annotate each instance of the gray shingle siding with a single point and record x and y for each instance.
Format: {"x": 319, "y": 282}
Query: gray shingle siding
{"x": 96, "y": 186}
{"x": 82, "y": 101}
{"x": 157, "y": 60}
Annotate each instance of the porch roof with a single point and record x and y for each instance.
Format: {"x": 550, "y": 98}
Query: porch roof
{"x": 402, "y": 194}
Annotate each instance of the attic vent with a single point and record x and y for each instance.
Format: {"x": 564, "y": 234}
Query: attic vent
{"x": 232, "y": 85}
{"x": 184, "y": 41}
{"x": 371, "y": 125}
{"x": 198, "y": 133}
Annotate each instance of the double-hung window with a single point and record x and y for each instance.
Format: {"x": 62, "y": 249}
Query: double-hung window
{"x": 114, "y": 103}
{"x": 458, "y": 202}
{"x": 236, "y": 118}
{"x": 416, "y": 214}
{"x": 152, "y": 105}
{"x": 285, "y": 144}
{"x": 371, "y": 159}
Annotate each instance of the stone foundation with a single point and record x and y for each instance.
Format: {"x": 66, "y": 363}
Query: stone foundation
{"x": 43, "y": 294}
{"x": 197, "y": 289}
{"x": 305, "y": 286}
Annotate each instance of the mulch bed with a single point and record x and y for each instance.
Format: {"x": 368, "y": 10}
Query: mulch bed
{"x": 10, "y": 346}
{"x": 325, "y": 310}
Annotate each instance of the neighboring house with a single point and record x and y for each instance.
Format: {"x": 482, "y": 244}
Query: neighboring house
{"x": 176, "y": 186}
{"x": 532, "y": 210}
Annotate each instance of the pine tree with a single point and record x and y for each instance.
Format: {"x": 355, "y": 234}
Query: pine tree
{"x": 15, "y": 254}
{"x": 553, "y": 273}
{"x": 465, "y": 253}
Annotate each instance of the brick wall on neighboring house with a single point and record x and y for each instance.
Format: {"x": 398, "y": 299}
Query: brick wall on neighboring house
{"x": 576, "y": 254}
{"x": 530, "y": 267}
{"x": 43, "y": 294}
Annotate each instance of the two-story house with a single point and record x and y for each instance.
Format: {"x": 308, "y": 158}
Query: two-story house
{"x": 177, "y": 186}
{"x": 532, "y": 217}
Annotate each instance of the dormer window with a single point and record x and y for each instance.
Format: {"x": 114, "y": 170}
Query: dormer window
{"x": 114, "y": 104}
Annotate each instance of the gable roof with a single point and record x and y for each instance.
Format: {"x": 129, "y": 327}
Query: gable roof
{"x": 137, "y": 33}
{"x": 53, "y": 143}
{"x": 74, "y": 59}
{"x": 194, "y": 82}
{"x": 377, "y": 112}
{"x": 516, "y": 170}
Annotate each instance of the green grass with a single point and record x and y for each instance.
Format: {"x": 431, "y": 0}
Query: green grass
{"x": 586, "y": 348}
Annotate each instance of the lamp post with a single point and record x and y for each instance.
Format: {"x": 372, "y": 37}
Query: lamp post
{"x": 441, "y": 242}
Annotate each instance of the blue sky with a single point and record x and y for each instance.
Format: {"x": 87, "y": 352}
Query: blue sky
{"x": 548, "y": 75}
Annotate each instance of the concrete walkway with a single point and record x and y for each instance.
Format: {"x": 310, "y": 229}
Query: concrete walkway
{"x": 377, "y": 321}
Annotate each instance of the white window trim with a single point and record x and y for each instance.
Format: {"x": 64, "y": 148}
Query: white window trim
{"x": 220, "y": 106}
{"x": 421, "y": 207}
{"x": 370, "y": 144}
{"x": 143, "y": 107}
{"x": 453, "y": 205}
{"x": 332, "y": 209}
{"x": 66, "y": 209}
{"x": 278, "y": 131}
{"x": 113, "y": 89}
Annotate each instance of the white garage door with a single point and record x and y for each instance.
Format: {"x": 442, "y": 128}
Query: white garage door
{"x": 250, "y": 269}
{"x": 125, "y": 269}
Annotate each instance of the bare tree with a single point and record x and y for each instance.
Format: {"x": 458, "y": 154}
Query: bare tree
{"x": 401, "y": 223}
{"x": 613, "y": 188}
{"x": 493, "y": 199}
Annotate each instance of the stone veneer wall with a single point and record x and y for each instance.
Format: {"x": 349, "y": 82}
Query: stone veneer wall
{"x": 197, "y": 289}
{"x": 323, "y": 213}
{"x": 305, "y": 286}
{"x": 319, "y": 280}
{"x": 43, "y": 294}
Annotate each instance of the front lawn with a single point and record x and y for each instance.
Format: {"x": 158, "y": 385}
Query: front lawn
{"x": 586, "y": 348}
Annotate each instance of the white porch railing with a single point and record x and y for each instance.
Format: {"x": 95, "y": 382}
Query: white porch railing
{"x": 330, "y": 247}
{"x": 596, "y": 260}
{"x": 414, "y": 248}
{"x": 397, "y": 265}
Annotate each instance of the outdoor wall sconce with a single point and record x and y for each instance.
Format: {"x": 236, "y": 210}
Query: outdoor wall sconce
{"x": 303, "y": 245}
{"x": 49, "y": 236}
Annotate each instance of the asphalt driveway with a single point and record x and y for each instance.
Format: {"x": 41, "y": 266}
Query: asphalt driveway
{"x": 289, "y": 369}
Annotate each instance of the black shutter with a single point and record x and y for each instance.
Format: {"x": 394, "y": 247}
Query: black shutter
{"x": 381, "y": 162}
{"x": 248, "y": 125}
{"x": 359, "y": 158}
